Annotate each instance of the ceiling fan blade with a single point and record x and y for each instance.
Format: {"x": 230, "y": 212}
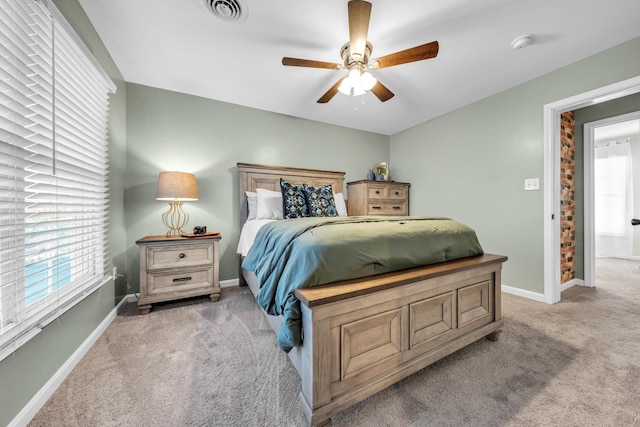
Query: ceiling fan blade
{"x": 418, "y": 53}
{"x": 359, "y": 15}
{"x": 381, "y": 92}
{"x": 330, "y": 93}
{"x": 297, "y": 62}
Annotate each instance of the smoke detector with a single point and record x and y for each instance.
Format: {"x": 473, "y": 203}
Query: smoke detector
{"x": 522, "y": 41}
{"x": 228, "y": 10}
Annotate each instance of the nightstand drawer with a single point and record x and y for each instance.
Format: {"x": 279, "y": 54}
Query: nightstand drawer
{"x": 387, "y": 208}
{"x": 170, "y": 256}
{"x": 378, "y": 191}
{"x": 159, "y": 283}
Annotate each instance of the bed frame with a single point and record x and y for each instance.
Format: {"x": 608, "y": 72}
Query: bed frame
{"x": 363, "y": 335}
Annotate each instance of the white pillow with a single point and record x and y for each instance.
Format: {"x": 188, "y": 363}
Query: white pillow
{"x": 269, "y": 204}
{"x": 341, "y": 207}
{"x": 252, "y": 204}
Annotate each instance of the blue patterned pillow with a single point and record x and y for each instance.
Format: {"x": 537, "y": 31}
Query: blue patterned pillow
{"x": 294, "y": 202}
{"x": 320, "y": 201}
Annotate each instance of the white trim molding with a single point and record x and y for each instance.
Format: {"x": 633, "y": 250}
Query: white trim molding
{"x": 571, "y": 283}
{"x": 37, "y": 402}
{"x": 589, "y": 188}
{"x": 552, "y": 112}
{"x": 522, "y": 293}
{"x": 229, "y": 283}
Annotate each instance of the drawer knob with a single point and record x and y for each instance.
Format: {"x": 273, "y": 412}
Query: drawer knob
{"x": 376, "y": 207}
{"x": 397, "y": 193}
{"x": 396, "y": 207}
{"x": 182, "y": 279}
{"x": 377, "y": 191}
{"x": 182, "y": 255}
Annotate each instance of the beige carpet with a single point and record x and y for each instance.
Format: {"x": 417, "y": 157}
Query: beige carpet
{"x": 576, "y": 363}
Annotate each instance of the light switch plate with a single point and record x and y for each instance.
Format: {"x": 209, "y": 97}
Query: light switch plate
{"x": 532, "y": 184}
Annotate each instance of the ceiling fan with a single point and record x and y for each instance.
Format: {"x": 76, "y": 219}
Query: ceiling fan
{"x": 355, "y": 56}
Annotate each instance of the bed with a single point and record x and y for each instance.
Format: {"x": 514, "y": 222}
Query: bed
{"x": 363, "y": 335}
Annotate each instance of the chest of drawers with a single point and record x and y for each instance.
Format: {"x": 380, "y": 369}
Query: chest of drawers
{"x": 378, "y": 198}
{"x": 177, "y": 267}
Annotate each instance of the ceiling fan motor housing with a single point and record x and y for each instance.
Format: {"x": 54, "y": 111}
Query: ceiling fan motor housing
{"x": 354, "y": 61}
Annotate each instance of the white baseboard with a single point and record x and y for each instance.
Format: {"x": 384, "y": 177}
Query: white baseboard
{"x": 571, "y": 283}
{"x": 522, "y": 293}
{"x": 629, "y": 257}
{"x": 37, "y": 402}
{"x": 229, "y": 283}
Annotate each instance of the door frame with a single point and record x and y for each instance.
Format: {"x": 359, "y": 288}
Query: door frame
{"x": 552, "y": 112}
{"x": 589, "y": 185}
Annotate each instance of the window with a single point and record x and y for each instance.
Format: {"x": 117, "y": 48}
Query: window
{"x": 53, "y": 170}
{"x": 610, "y": 177}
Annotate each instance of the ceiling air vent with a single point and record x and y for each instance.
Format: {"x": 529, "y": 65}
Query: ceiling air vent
{"x": 228, "y": 10}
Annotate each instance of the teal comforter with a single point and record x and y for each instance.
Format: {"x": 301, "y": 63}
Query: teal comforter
{"x": 299, "y": 253}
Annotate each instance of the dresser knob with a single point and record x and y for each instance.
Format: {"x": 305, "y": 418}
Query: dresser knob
{"x": 181, "y": 255}
{"x": 397, "y": 193}
{"x": 377, "y": 191}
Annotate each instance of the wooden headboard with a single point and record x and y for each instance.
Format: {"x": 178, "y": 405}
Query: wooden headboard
{"x": 253, "y": 177}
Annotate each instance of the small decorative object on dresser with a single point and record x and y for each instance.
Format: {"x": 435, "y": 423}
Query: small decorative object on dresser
{"x": 370, "y": 175}
{"x": 173, "y": 268}
{"x": 379, "y": 171}
{"x": 378, "y": 198}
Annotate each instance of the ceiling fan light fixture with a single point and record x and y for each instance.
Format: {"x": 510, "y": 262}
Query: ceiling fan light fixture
{"x": 368, "y": 81}
{"x": 358, "y": 81}
{"x": 358, "y": 89}
{"x": 345, "y": 86}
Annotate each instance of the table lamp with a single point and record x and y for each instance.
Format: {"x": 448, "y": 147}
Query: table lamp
{"x": 176, "y": 187}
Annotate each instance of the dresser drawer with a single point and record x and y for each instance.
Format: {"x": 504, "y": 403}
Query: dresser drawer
{"x": 398, "y": 192}
{"x": 180, "y": 255}
{"x": 387, "y": 208}
{"x": 378, "y": 191}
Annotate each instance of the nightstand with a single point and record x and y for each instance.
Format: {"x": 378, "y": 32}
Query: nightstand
{"x": 172, "y": 268}
{"x": 378, "y": 198}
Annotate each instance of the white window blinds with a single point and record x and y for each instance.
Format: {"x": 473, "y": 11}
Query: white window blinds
{"x": 53, "y": 170}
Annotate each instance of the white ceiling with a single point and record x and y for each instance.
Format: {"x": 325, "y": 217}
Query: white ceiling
{"x": 181, "y": 46}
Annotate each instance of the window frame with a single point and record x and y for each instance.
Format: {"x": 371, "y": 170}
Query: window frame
{"x": 77, "y": 207}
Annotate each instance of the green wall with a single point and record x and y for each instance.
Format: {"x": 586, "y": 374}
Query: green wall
{"x": 174, "y": 131}
{"x": 471, "y": 164}
{"x": 25, "y": 372}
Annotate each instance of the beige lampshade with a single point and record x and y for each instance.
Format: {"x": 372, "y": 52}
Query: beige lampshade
{"x": 177, "y": 186}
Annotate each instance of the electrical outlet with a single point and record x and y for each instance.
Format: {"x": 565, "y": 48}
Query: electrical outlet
{"x": 532, "y": 184}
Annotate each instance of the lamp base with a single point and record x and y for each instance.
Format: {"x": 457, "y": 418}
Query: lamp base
{"x": 175, "y": 218}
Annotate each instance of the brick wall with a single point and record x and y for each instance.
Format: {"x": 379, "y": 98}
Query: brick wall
{"x": 567, "y": 202}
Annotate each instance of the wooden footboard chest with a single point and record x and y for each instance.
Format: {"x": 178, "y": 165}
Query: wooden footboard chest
{"x": 362, "y": 336}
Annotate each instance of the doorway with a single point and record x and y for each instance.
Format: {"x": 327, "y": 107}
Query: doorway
{"x": 552, "y": 114}
{"x": 611, "y": 200}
